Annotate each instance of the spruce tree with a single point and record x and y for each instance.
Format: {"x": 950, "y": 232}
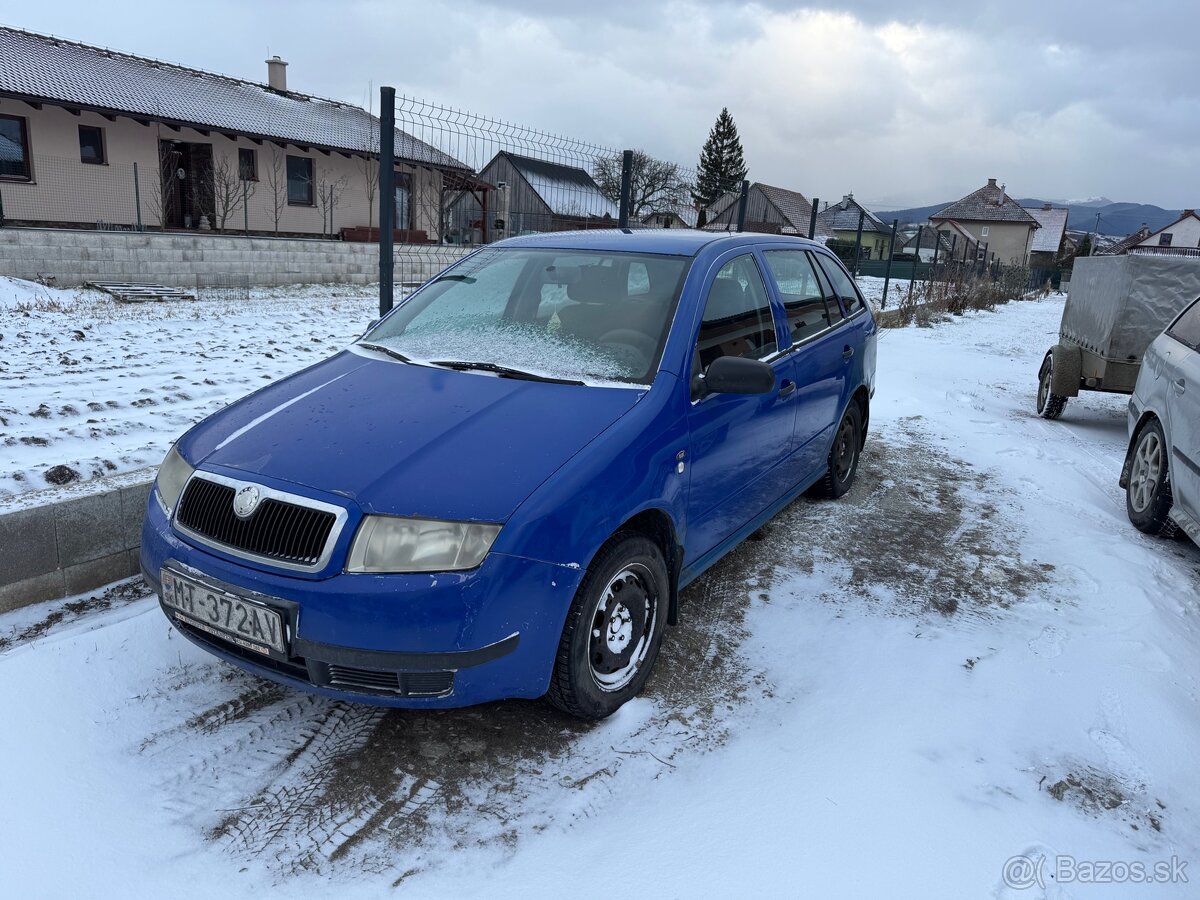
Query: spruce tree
{"x": 722, "y": 166}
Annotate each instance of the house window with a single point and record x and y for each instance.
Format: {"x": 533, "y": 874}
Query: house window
{"x": 1164, "y": 239}
{"x": 983, "y": 232}
{"x": 300, "y": 181}
{"x": 403, "y": 201}
{"x": 91, "y": 145}
{"x": 247, "y": 164}
{"x": 14, "y": 148}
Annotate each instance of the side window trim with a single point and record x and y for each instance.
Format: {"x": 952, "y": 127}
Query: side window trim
{"x": 862, "y": 303}
{"x": 827, "y": 288}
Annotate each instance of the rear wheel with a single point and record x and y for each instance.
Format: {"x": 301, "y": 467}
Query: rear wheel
{"x": 1049, "y": 405}
{"x": 843, "y": 455}
{"x": 1148, "y": 494}
{"x": 613, "y": 631}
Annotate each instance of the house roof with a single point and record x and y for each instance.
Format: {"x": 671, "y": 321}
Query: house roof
{"x": 988, "y": 204}
{"x": 1048, "y": 238}
{"x": 43, "y": 68}
{"x": 1116, "y": 249}
{"x": 683, "y": 212}
{"x": 962, "y": 233}
{"x": 792, "y": 205}
{"x": 566, "y": 190}
{"x": 843, "y": 216}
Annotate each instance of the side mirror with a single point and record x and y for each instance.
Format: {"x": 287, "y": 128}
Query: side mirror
{"x": 372, "y": 324}
{"x": 735, "y": 375}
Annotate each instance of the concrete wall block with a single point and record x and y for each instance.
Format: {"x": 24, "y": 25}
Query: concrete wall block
{"x": 133, "y": 512}
{"x": 37, "y": 589}
{"x": 92, "y": 574}
{"x": 27, "y": 537}
{"x": 89, "y": 528}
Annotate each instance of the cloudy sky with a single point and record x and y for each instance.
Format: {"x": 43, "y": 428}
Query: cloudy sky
{"x": 906, "y": 103}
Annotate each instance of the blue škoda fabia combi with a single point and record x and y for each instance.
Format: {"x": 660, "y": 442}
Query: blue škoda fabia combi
{"x": 501, "y": 488}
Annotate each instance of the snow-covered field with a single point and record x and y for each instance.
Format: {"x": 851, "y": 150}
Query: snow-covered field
{"x": 971, "y": 658}
{"x": 103, "y": 388}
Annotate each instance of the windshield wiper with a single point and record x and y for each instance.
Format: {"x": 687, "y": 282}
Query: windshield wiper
{"x": 465, "y": 279}
{"x": 395, "y": 354}
{"x": 502, "y": 371}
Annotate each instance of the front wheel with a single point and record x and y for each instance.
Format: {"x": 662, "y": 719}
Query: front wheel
{"x": 613, "y": 631}
{"x": 842, "y": 464}
{"x": 1148, "y": 494}
{"x": 1049, "y": 405}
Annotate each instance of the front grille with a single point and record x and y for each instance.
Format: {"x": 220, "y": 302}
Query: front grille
{"x": 276, "y": 530}
{"x": 406, "y": 684}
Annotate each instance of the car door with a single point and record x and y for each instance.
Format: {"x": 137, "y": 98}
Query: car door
{"x": 737, "y": 442}
{"x": 1182, "y": 371}
{"x": 813, "y": 319}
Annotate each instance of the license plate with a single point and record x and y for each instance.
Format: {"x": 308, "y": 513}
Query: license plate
{"x": 223, "y": 615}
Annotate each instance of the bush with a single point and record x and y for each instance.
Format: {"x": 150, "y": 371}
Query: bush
{"x": 960, "y": 288}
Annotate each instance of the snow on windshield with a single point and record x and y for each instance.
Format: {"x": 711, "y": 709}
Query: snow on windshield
{"x": 580, "y": 315}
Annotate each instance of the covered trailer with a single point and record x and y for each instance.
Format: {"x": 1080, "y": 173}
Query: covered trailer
{"x": 1116, "y": 306}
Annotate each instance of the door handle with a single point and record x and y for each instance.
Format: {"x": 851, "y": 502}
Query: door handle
{"x": 1180, "y": 385}
{"x": 848, "y": 352}
{"x": 788, "y": 388}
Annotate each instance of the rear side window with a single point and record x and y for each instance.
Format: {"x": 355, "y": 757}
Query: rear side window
{"x": 843, "y": 285}
{"x": 737, "y": 316}
{"x": 1187, "y": 327}
{"x": 801, "y": 292}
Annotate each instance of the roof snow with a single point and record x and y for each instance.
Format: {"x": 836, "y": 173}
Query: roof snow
{"x": 1048, "y": 238}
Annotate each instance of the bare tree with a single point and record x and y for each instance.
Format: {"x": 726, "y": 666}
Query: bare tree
{"x": 655, "y": 185}
{"x": 329, "y": 195}
{"x": 275, "y": 178}
{"x": 230, "y": 190}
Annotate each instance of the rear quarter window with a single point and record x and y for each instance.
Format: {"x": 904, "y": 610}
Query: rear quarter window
{"x": 843, "y": 284}
{"x": 1187, "y": 326}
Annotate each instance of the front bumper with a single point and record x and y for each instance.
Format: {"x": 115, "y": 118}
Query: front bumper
{"x": 441, "y": 640}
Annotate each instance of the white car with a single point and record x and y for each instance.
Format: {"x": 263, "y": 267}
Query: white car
{"x": 1161, "y": 475}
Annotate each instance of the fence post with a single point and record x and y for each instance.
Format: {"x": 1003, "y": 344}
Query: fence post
{"x": 137, "y": 199}
{"x": 812, "y": 220}
{"x": 858, "y": 243}
{"x": 887, "y": 271}
{"x": 387, "y": 195}
{"x": 626, "y": 188}
{"x": 741, "y": 220}
{"x": 916, "y": 259}
{"x": 984, "y": 263}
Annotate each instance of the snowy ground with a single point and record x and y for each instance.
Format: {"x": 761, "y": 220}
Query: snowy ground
{"x": 103, "y": 387}
{"x": 972, "y": 657}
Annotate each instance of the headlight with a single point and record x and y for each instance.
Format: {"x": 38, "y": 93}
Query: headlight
{"x": 172, "y": 476}
{"x": 393, "y": 544}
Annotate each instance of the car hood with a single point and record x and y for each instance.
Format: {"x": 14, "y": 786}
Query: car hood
{"x": 408, "y": 439}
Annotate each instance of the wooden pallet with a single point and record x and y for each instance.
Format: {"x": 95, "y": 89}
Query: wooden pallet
{"x": 137, "y": 292}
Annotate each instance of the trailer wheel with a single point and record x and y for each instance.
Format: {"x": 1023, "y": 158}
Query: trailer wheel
{"x": 1049, "y": 405}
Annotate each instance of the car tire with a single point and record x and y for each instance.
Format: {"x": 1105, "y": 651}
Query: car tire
{"x": 613, "y": 631}
{"x": 1049, "y": 404}
{"x": 842, "y": 464}
{"x": 1148, "y": 496}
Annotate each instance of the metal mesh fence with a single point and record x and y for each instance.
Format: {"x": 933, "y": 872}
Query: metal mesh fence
{"x": 65, "y": 192}
{"x": 462, "y": 180}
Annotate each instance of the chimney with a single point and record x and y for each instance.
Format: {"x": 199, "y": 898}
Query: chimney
{"x": 1046, "y": 205}
{"x": 1188, "y": 212}
{"x": 277, "y": 74}
{"x": 991, "y": 182}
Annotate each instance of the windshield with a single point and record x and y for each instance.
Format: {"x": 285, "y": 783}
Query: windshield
{"x": 577, "y": 315}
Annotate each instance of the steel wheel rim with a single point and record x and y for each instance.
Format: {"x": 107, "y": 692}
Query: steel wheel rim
{"x": 1044, "y": 388}
{"x": 620, "y": 627}
{"x": 843, "y": 450}
{"x": 1146, "y": 475}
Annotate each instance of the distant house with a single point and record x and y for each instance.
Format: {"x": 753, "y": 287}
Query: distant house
{"x": 681, "y": 216}
{"x": 769, "y": 210}
{"x": 1050, "y": 240}
{"x": 842, "y": 220}
{"x": 947, "y": 246}
{"x": 531, "y": 196}
{"x": 1180, "y": 238}
{"x": 998, "y": 222}
{"x": 75, "y": 120}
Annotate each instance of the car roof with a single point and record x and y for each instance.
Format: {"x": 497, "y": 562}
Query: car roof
{"x": 670, "y": 241}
